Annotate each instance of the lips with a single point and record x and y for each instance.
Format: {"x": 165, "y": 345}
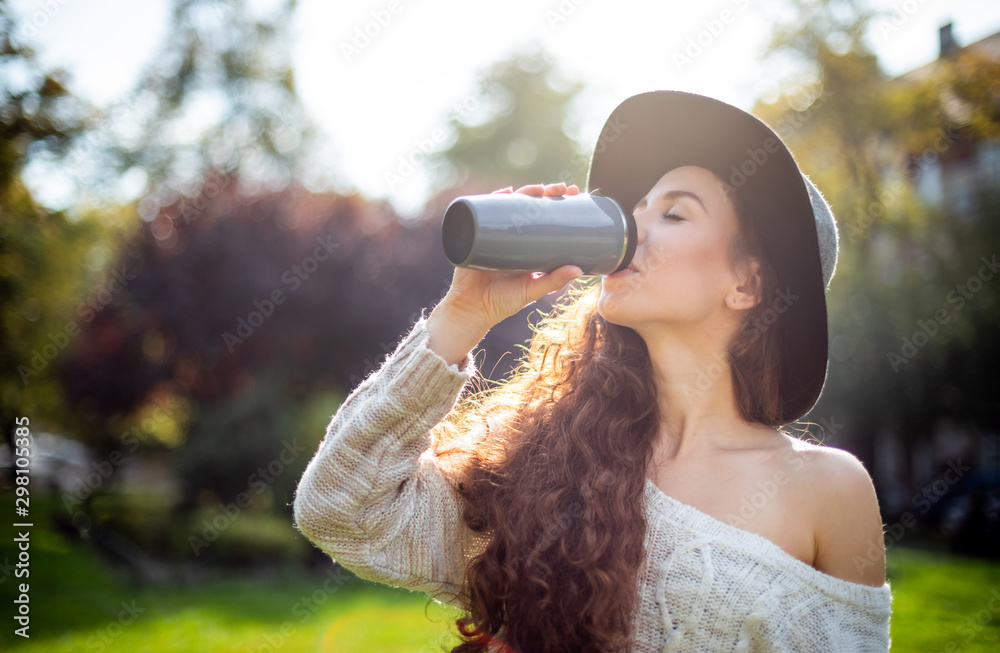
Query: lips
{"x": 624, "y": 272}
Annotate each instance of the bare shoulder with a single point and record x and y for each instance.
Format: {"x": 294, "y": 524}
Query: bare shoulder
{"x": 847, "y": 522}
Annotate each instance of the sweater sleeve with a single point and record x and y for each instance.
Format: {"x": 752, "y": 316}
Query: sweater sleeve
{"x": 374, "y": 496}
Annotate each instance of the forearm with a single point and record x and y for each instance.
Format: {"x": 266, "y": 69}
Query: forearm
{"x": 453, "y": 335}
{"x": 373, "y": 496}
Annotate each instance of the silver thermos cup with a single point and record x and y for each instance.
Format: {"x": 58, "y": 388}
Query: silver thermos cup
{"x": 514, "y": 232}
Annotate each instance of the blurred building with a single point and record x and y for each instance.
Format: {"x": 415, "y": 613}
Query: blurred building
{"x": 963, "y": 168}
{"x": 954, "y": 478}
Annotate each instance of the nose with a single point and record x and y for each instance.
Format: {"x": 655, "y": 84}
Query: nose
{"x": 640, "y": 225}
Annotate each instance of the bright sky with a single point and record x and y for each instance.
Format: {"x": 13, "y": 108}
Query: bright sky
{"x": 381, "y": 76}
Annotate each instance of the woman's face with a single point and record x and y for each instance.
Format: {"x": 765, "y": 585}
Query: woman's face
{"x": 681, "y": 272}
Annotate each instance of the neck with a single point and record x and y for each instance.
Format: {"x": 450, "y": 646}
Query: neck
{"x": 698, "y": 410}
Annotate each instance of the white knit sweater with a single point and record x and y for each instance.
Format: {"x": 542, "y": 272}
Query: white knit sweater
{"x": 374, "y": 499}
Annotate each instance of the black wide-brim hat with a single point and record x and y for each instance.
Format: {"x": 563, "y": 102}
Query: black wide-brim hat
{"x": 652, "y": 133}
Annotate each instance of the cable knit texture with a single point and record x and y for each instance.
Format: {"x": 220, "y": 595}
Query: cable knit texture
{"x": 374, "y": 498}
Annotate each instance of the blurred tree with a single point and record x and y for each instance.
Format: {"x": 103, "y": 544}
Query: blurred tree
{"x": 519, "y": 134}
{"x": 47, "y": 260}
{"x": 214, "y": 121}
{"x": 38, "y": 113}
{"x": 238, "y": 319}
{"x": 218, "y": 96}
{"x": 842, "y": 74}
{"x": 967, "y": 86}
{"x": 866, "y": 139}
{"x": 247, "y": 308}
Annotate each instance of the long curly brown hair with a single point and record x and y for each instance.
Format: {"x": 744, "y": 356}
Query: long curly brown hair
{"x": 552, "y": 464}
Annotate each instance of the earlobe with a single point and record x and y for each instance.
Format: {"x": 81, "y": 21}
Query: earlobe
{"x": 747, "y": 293}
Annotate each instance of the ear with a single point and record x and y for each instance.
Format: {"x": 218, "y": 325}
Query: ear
{"x": 748, "y": 289}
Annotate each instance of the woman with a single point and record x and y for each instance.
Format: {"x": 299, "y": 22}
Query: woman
{"x": 628, "y": 487}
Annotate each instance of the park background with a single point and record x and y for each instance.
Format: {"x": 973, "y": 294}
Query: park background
{"x": 217, "y": 216}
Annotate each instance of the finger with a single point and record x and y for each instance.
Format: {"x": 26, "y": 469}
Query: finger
{"x": 553, "y": 281}
{"x": 567, "y": 273}
{"x": 509, "y": 189}
{"x": 532, "y": 189}
{"x": 573, "y": 189}
{"x": 557, "y": 189}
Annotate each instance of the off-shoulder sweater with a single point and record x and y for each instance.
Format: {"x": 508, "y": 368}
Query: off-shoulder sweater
{"x": 376, "y": 500}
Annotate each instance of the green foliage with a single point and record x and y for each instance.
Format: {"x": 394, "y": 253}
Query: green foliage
{"x": 237, "y": 439}
{"x": 238, "y": 328}
{"x": 821, "y": 28}
{"x": 50, "y": 268}
{"x": 867, "y": 141}
{"x": 247, "y": 537}
{"x": 38, "y": 116}
{"x": 219, "y": 96}
{"x": 143, "y": 518}
{"x": 48, "y": 262}
{"x": 969, "y": 85}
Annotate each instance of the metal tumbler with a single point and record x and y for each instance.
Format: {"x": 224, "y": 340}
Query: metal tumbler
{"x": 514, "y": 232}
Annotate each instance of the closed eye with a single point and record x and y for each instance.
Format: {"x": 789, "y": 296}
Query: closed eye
{"x": 673, "y": 217}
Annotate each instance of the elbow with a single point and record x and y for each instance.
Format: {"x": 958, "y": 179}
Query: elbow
{"x": 306, "y": 517}
{"x": 322, "y": 514}
{"x": 301, "y": 517}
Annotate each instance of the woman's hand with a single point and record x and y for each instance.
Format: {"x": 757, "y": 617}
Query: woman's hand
{"x": 479, "y": 299}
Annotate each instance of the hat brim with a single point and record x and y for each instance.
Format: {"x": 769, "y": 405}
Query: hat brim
{"x": 652, "y": 133}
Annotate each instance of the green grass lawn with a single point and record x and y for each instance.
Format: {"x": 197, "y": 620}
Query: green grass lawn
{"x": 941, "y": 603}
{"x": 78, "y": 604}
{"x": 82, "y": 608}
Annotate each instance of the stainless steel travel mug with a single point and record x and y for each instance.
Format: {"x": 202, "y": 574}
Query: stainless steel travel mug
{"x": 514, "y": 232}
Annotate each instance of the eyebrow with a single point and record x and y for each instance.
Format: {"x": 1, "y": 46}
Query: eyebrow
{"x": 674, "y": 194}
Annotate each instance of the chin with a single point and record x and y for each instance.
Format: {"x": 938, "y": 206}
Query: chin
{"x": 613, "y": 307}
